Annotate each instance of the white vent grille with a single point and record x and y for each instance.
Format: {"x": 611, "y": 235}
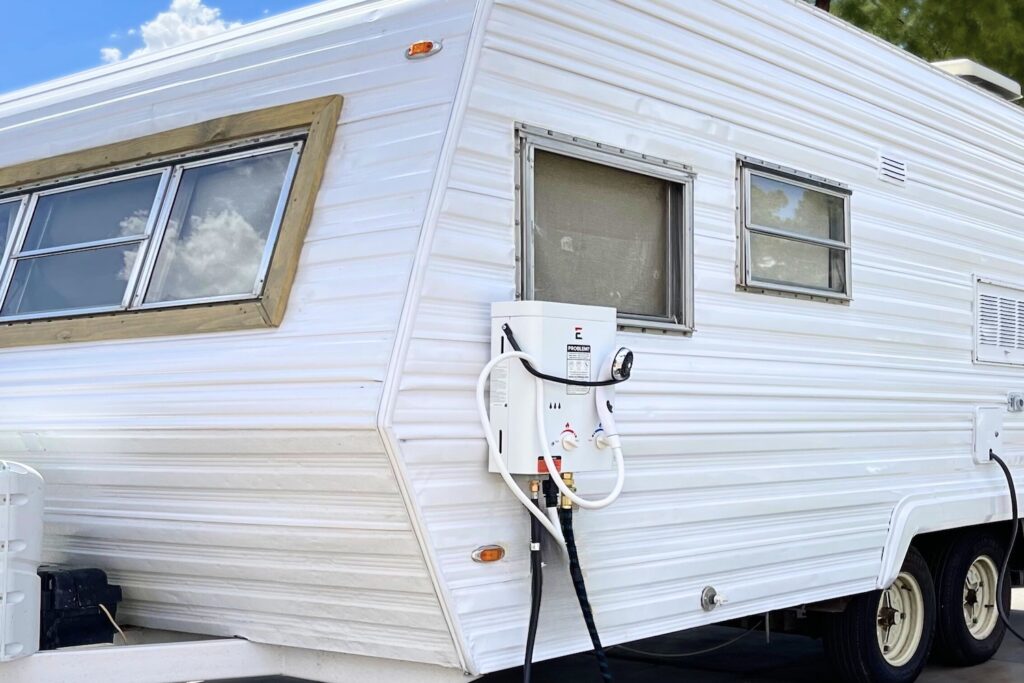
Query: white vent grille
{"x": 892, "y": 170}
{"x": 1000, "y": 324}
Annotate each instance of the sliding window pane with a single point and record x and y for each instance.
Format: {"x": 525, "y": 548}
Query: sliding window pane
{"x": 64, "y": 282}
{"x": 8, "y": 213}
{"x": 790, "y": 262}
{"x": 91, "y": 214}
{"x": 786, "y": 206}
{"x": 219, "y": 228}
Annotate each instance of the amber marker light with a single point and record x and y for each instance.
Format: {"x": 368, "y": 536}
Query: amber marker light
{"x": 423, "y": 48}
{"x": 488, "y": 553}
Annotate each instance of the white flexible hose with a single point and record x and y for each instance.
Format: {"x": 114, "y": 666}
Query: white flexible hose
{"x": 620, "y": 466}
{"x": 481, "y": 406}
{"x": 550, "y": 522}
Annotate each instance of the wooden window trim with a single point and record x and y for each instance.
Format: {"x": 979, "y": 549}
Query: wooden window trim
{"x": 320, "y": 116}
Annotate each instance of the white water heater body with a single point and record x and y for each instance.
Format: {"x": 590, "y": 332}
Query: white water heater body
{"x": 21, "y": 548}
{"x": 568, "y": 341}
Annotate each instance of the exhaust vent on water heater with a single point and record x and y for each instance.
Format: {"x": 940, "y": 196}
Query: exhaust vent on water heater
{"x": 983, "y": 77}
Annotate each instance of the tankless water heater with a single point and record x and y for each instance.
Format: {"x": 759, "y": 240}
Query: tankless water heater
{"x": 568, "y": 341}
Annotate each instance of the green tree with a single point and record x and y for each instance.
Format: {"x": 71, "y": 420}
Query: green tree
{"x": 990, "y": 32}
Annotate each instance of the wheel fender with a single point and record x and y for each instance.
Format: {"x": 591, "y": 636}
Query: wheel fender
{"x": 926, "y": 512}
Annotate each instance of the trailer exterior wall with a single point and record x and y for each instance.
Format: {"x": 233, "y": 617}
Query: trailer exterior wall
{"x": 769, "y": 453}
{"x": 235, "y": 484}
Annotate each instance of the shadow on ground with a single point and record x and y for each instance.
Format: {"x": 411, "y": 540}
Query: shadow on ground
{"x": 787, "y": 659}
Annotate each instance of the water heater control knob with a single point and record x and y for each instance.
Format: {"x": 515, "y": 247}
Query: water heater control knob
{"x": 569, "y": 441}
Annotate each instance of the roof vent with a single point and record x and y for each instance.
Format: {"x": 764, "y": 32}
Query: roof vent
{"x": 983, "y": 77}
{"x": 891, "y": 169}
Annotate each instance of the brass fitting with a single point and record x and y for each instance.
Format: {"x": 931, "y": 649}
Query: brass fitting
{"x": 535, "y": 488}
{"x": 569, "y": 484}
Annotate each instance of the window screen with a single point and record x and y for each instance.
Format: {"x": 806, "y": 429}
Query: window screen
{"x": 600, "y": 236}
{"x": 795, "y": 234}
{"x": 601, "y": 232}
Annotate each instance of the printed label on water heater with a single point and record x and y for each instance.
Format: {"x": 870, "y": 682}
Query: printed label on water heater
{"x": 577, "y": 367}
{"x": 499, "y": 384}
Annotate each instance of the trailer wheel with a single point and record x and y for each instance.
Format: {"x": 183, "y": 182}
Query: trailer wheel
{"x": 885, "y": 636}
{"x": 969, "y": 630}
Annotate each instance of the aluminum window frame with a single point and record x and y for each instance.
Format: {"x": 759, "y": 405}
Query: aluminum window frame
{"x": 679, "y": 219}
{"x": 748, "y": 167}
{"x": 150, "y": 162}
{"x": 146, "y": 281}
{"x": 151, "y": 240}
{"x": 8, "y": 246}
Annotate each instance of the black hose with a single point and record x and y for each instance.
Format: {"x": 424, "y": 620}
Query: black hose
{"x": 565, "y": 517}
{"x": 1004, "y": 610}
{"x": 536, "y": 589}
{"x": 551, "y": 378}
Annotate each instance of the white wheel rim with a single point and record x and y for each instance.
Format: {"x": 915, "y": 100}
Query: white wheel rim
{"x": 981, "y": 605}
{"x": 900, "y": 624}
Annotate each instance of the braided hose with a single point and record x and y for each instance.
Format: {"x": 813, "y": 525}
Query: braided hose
{"x": 565, "y": 516}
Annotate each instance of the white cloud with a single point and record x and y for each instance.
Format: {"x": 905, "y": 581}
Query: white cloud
{"x": 109, "y": 55}
{"x": 220, "y": 254}
{"x": 183, "y": 22}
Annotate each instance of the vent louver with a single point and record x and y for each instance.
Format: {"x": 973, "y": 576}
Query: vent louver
{"x": 892, "y": 170}
{"x": 1000, "y": 324}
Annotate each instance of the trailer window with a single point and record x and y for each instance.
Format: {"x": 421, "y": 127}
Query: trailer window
{"x": 605, "y": 228}
{"x": 795, "y": 233}
{"x": 80, "y": 246}
{"x": 193, "y": 229}
{"x": 221, "y": 225}
{"x": 178, "y": 233}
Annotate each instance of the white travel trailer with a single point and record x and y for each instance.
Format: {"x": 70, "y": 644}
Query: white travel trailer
{"x": 247, "y": 289}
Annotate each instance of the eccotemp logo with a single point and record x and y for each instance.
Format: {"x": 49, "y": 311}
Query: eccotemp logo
{"x": 579, "y": 333}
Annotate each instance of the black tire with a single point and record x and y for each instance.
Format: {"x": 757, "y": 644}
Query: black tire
{"x": 954, "y": 643}
{"x": 851, "y": 640}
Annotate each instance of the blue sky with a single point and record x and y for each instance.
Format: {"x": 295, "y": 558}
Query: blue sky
{"x": 44, "y": 39}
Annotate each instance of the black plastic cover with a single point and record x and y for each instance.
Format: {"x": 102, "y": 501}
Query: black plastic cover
{"x": 71, "y": 613}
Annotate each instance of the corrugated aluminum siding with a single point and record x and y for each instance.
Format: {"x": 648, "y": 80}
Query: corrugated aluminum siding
{"x": 767, "y": 452}
{"x": 235, "y": 484}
